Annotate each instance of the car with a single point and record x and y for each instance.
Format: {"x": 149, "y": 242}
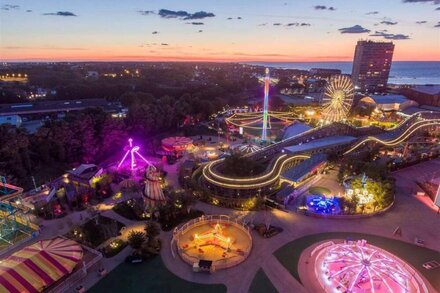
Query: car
{"x": 430, "y": 265}
{"x": 133, "y": 259}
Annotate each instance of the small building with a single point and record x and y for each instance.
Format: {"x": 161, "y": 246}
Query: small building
{"x": 390, "y": 102}
{"x": 304, "y": 170}
{"x": 294, "y": 129}
{"x": 424, "y": 94}
{"x": 84, "y": 175}
{"x": 92, "y": 75}
{"x": 14, "y": 120}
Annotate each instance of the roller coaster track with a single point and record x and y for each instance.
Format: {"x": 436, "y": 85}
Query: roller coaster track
{"x": 268, "y": 178}
{"x": 401, "y": 138}
{"x": 398, "y": 134}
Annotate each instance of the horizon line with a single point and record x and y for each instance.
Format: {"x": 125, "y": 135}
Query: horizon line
{"x": 38, "y": 60}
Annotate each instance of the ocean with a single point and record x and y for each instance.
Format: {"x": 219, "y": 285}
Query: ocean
{"x": 402, "y": 72}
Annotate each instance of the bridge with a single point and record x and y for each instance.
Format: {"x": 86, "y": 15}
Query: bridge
{"x": 335, "y": 138}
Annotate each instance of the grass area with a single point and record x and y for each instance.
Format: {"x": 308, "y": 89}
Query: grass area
{"x": 289, "y": 254}
{"x": 262, "y": 284}
{"x": 149, "y": 276}
{"x": 319, "y": 190}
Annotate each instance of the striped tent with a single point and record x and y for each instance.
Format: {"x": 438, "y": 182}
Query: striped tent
{"x": 35, "y": 267}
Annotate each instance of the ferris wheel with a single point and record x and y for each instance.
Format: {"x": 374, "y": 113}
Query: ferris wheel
{"x": 338, "y": 98}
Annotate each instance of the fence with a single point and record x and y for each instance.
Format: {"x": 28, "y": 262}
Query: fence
{"x": 221, "y": 264}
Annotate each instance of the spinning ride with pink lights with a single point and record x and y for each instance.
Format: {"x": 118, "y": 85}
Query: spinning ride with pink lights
{"x": 359, "y": 267}
{"x": 132, "y": 151}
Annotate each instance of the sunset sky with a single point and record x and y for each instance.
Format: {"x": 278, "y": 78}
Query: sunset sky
{"x": 214, "y": 30}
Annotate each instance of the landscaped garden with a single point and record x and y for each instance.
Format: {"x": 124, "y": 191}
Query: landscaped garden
{"x": 289, "y": 254}
{"x": 114, "y": 247}
{"x": 149, "y": 276}
{"x": 95, "y": 231}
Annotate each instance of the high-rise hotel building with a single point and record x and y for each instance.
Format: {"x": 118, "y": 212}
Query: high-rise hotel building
{"x": 371, "y": 65}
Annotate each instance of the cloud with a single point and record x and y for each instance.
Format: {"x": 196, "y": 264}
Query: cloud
{"x": 181, "y": 14}
{"x": 200, "y": 31}
{"x": 229, "y": 18}
{"x": 387, "y": 22}
{"x": 61, "y": 13}
{"x": 298, "y": 24}
{"x": 422, "y": 1}
{"x": 195, "y": 23}
{"x": 200, "y": 15}
{"x": 389, "y": 36}
{"x": 155, "y": 33}
{"x": 437, "y": 25}
{"x": 372, "y": 13}
{"x": 239, "y": 17}
{"x": 277, "y": 24}
{"x": 356, "y": 29}
{"x": 146, "y": 12}
{"x": 164, "y": 44}
{"x": 438, "y": 8}
{"x": 28, "y": 10}
{"x": 421, "y": 21}
{"x": 263, "y": 24}
{"x": 323, "y": 7}
{"x": 10, "y": 7}
{"x": 165, "y": 13}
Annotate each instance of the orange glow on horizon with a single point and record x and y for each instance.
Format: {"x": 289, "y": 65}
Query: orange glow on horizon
{"x": 192, "y": 58}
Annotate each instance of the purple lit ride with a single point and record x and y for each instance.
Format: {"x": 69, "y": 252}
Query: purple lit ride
{"x": 153, "y": 194}
{"x": 133, "y": 151}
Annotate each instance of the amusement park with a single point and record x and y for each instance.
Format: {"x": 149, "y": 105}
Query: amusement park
{"x": 309, "y": 198}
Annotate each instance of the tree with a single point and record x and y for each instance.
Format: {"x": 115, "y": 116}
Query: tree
{"x": 152, "y": 230}
{"x": 135, "y": 239}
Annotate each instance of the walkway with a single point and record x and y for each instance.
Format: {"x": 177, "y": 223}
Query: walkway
{"x": 415, "y": 218}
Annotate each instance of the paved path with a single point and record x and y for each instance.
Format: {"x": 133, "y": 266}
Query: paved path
{"x": 280, "y": 277}
{"x": 414, "y": 217}
{"x": 409, "y": 213}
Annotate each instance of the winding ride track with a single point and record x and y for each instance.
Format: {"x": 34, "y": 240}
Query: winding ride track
{"x": 392, "y": 137}
{"x": 252, "y": 182}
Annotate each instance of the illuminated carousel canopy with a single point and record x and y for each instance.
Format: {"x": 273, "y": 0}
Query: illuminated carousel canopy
{"x": 254, "y": 120}
{"x": 359, "y": 267}
{"x": 176, "y": 143}
{"x": 248, "y": 148}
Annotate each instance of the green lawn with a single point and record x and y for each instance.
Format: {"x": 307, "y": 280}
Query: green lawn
{"x": 319, "y": 190}
{"x": 149, "y": 276}
{"x": 289, "y": 254}
{"x": 261, "y": 284}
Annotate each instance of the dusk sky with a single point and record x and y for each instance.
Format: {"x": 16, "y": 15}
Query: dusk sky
{"x": 214, "y": 30}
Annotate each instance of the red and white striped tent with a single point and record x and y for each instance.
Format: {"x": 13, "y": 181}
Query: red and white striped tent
{"x": 153, "y": 194}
